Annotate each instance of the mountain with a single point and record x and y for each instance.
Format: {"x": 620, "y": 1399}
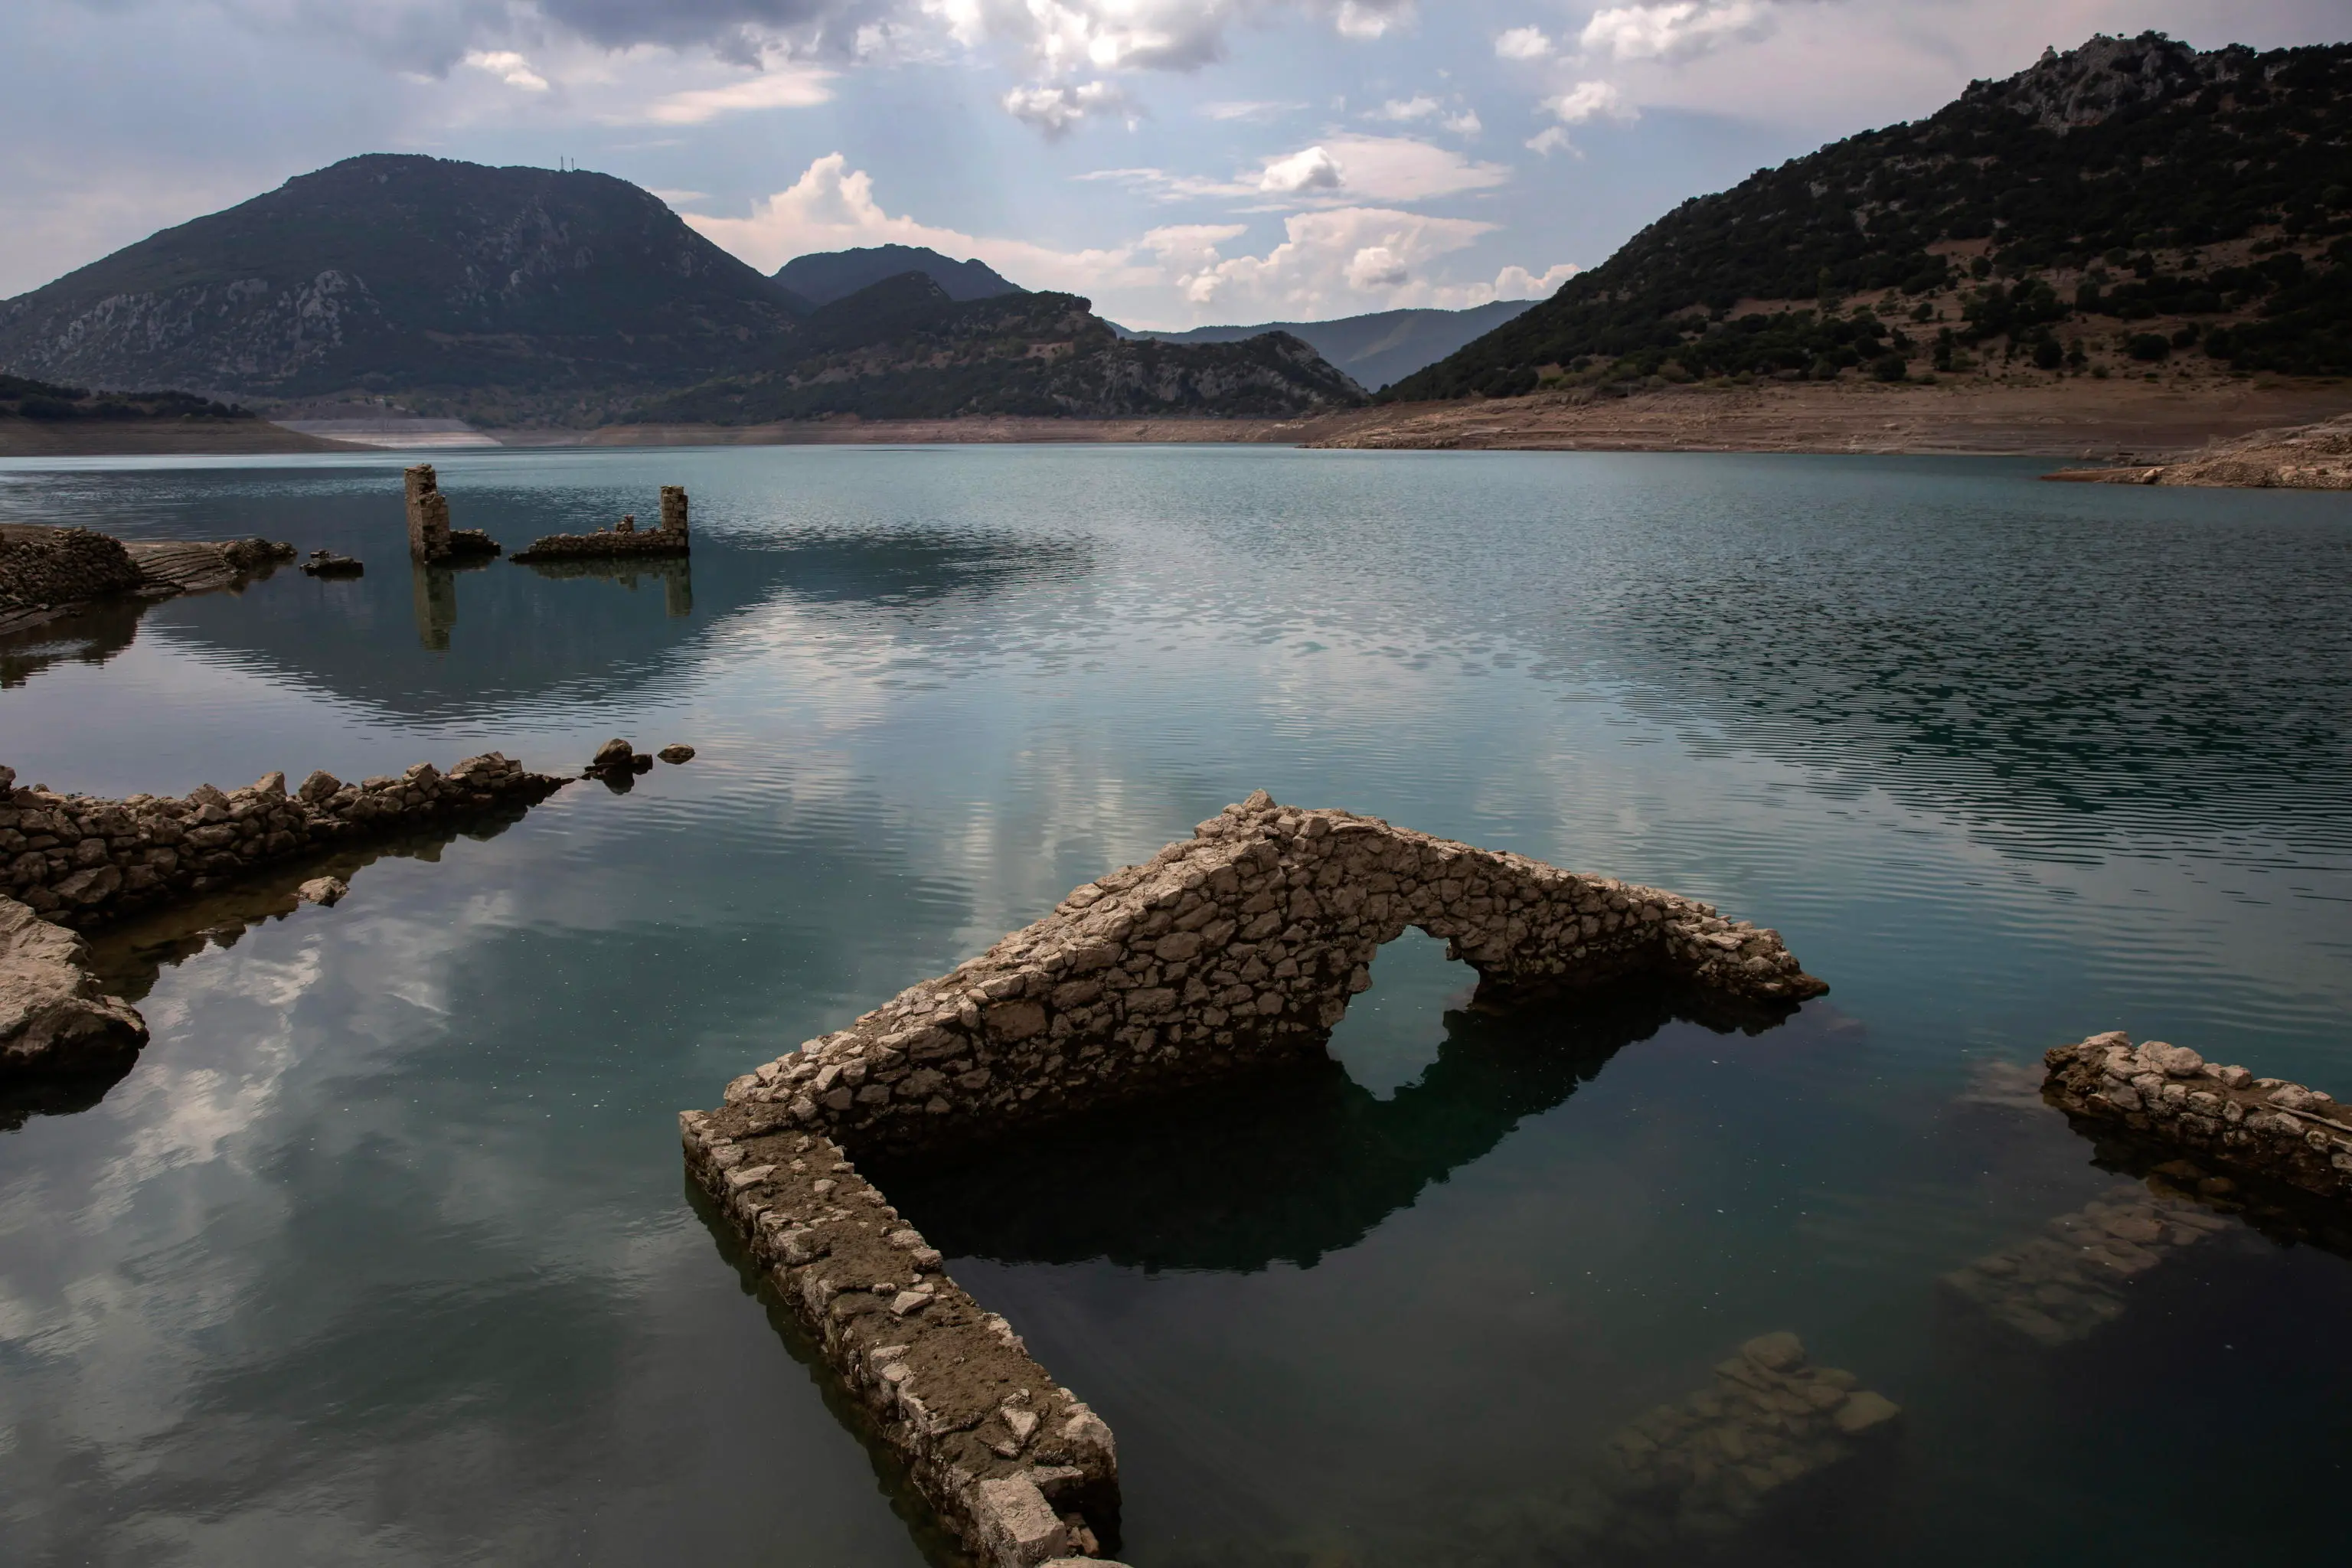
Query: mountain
{"x": 466, "y": 289}
{"x": 829, "y": 275}
{"x": 1377, "y": 348}
{"x": 904, "y": 349}
{"x": 2134, "y": 198}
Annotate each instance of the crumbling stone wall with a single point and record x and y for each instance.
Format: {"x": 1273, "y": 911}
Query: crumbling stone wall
{"x": 1235, "y": 949}
{"x": 1241, "y": 945}
{"x": 2266, "y": 1127}
{"x": 43, "y": 571}
{"x": 82, "y": 861}
{"x": 1020, "y": 1469}
{"x": 624, "y": 539}
{"x": 431, "y": 540}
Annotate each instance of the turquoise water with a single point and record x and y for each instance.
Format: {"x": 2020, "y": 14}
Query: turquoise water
{"x": 382, "y": 1251}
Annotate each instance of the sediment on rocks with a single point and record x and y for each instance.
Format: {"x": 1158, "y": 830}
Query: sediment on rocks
{"x": 2167, "y": 1094}
{"x": 623, "y": 539}
{"x": 1019, "y": 1467}
{"x": 1232, "y": 952}
{"x": 85, "y": 861}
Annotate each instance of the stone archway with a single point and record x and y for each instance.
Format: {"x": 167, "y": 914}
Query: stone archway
{"x": 1237, "y": 947}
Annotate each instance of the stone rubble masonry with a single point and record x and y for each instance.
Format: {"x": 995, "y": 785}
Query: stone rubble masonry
{"x": 1018, "y": 1466}
{"x": 1240, "y": 945}
{"x": 1694, "y": 1472}
{"x": 624, "y": 539}
{"x": 1235, "y": 949}
{"x": 431, "y": 540}
{"x": 52, "y": 1011}
{"x": 46, "y": 573}
{"x": 2068, "y": 1283}
{"x": 84, "y": 862}
{"x": 2263, "y": 1127}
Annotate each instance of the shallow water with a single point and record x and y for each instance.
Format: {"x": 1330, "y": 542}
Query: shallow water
{"x": 383, "y": 1252}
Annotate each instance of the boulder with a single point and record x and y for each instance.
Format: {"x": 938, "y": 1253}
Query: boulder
{"x": 52, "y": 1013}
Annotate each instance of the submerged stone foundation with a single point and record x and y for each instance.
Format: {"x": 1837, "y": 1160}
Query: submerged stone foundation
{"x": 2168, "y": 1095}
{"x": 1232, "y": 952}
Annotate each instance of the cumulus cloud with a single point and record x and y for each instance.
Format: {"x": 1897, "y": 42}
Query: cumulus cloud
{"x": 1419, "y": 106}
{"x": 1518, "y": 283}
{"x": 1056, "y": 110}
{"x": 1522, "y": 44}
{"x": 1681, "y": 30}
{"x": 1589, "y": 100}
{"x": 1330, "y": 262}
{"x": 1310, "y": 169}
{"x": 787, "y": 87}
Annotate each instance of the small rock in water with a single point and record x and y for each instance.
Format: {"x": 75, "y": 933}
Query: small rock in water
{"x": 641, "y": 763}
{"x": 675, "y": 753}
{"x": 614, "y": 753}
{"x": 326, "y": 891}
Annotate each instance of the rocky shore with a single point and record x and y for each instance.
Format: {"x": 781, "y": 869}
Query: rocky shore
{"x": 49, "y": 572}
{"x": 1231, "y": 952}
{"x": 2307, "y": 458}
{"x": 2224, "y": 1116}
{"x": 52, "y": 1009}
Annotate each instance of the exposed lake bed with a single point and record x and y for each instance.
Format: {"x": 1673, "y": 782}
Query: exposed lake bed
{"x": 380, "y": 1250}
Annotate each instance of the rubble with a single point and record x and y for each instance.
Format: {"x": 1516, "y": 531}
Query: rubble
{"x": 623, "y": 539}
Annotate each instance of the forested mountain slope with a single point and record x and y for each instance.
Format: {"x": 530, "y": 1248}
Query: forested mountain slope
{"x": 2128, "y": 202}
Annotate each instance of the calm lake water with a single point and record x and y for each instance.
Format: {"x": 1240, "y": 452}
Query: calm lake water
{"x": 383, "y": 1252}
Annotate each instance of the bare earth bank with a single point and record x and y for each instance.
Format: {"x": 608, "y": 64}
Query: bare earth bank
{"x": 136, "y": 437}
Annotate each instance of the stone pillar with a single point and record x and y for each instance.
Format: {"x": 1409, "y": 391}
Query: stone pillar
{"x": 428, "y": 515}
{"x": 673, "y": 508}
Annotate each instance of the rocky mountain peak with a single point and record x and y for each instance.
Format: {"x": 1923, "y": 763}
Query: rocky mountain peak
{"x": 2084, "y": 86}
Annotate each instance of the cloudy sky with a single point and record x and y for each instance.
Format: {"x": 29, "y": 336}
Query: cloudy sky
{"x": 1180, "y": 160}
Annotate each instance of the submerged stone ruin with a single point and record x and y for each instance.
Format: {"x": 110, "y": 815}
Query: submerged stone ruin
{"x": 80, "y": 862}
{"x": 2169, "y": 1096}
{"x": 2071, "y": 1280}
{"x": 431, "y": 540}
{"x": 624, "y": 539}
{"x": 47, "y": 573}
{"x": 1235, "y": 951}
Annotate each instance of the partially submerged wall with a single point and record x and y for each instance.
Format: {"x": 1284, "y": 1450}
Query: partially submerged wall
{"x": 431, "y": 540}
{"x": 83, "y": 861}
{"x": 1241, "y": 945}
{"x": 1236, "y": 950}
{"x": 2265, "y": 1127}
{"x": 623, "y": 540}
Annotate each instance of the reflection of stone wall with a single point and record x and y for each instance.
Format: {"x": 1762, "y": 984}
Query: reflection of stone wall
{"x": 84, "y": 862}
{"x": 2266, "y": 1127}
{"x": 1243, "y": 944}
{"x": 1234, "y": 950}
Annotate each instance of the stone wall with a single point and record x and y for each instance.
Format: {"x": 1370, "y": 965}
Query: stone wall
{"x": 1241, "y": 945}
{"x": 1233, "y": 951}
{"x": 2069, "y": 1281}
{"x": 84, "y": 862}
{"x": 431, "y": 540}
{"x": 624, "y": 539}
{"x": 2265, "y": 1127}
{"x": 1018, "y": 1466}
{"x": 46, "y": 571}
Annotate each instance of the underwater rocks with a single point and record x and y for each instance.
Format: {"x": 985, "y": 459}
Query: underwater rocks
{"x": 2167, "y": 1094}
{"x": 1238, "y": 947}
{"x": 83, "y": 861}
{"x": 53, "y": 1016}
{"x": 2069, "y": 1282}
{"x": 327, "y": 563}
{"x": 1697, "y": 1471}
{"x": 1019, "y": 1469}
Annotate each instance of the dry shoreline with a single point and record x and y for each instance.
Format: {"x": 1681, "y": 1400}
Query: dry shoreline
{"x": 2121, "y": 421}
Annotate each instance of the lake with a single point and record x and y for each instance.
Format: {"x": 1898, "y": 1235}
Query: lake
{"x": 383, "y": 1253}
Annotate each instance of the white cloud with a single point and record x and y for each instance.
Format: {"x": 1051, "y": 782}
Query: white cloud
{"x": 1331, "y": 262}
{"x": 1371, "y": 18}
{"x": 508, "y": 66}
{"x": 1549, "y": 140}
{"x": 1056, "y": 110}
{"x": 1310, "y": 169}
{"x": 1522, "y": 44}
{"x": 1681, "y": 30}
{"x": 1404, "y": 169}
{"x": 1589, "y": 100}
{"x": 1465, "y": 123}
{"x": 1518, "y": 283}
{"x": 1401, "y": 111}
{"x": 785, "y": 86}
